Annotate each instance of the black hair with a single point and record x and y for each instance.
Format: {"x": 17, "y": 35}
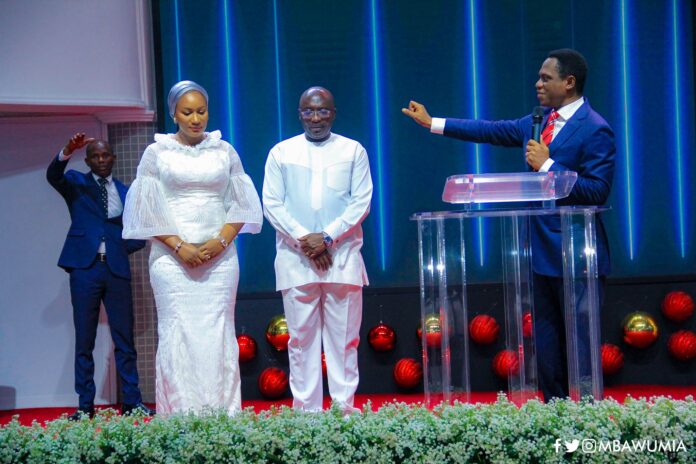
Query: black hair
{"x": 571, "y": 63}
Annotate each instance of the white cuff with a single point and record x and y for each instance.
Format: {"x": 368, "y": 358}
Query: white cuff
{"x": 333, "y": 230}
{"x": 62, "y": 157}
{"x": 546, "y": 166}
{"x": 438, "y": 126}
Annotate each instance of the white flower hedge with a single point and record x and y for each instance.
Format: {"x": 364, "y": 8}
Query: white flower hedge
{"x": 396, "y": 433}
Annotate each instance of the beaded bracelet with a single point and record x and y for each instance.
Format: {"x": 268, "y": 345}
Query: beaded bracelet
{"x": 178, "y": 246}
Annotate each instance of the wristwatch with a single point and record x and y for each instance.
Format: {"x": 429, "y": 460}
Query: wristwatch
{"x": 328, "y": 241}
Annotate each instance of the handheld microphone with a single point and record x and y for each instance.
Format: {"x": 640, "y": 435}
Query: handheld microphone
{"x": 537, "y": 118}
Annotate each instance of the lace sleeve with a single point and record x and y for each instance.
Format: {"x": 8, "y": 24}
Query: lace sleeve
{"x": 241, "y": 199}
{"x": 146, "y": 213}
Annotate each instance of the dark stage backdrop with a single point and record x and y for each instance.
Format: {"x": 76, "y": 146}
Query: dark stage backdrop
{"x": 469, "y": 58}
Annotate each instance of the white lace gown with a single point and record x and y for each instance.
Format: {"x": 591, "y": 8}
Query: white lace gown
{"x": 192, "y": 192}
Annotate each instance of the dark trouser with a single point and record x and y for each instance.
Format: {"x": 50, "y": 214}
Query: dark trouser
{"x": 88, "y": 288}
{"x": 550, "y": 333}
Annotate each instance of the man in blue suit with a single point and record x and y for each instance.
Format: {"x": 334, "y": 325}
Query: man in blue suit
{"x": 574, "y": 138}
{"x": 96, "y": 257}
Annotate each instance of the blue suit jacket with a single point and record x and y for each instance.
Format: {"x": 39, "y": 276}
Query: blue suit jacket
{"x": 584, "y": 145}
{"x": 90, "y": 226}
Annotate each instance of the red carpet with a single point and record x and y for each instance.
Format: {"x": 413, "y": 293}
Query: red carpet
{"x": 26, "y": 416}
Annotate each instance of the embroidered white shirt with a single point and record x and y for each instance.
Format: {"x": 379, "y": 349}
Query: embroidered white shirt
{"x": 313, "y": 187}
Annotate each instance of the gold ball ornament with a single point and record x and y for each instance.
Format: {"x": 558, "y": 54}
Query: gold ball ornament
{"x": 277, "y": 333}
{"x": 640, "y": 329}
{"x": 433, "y": 330}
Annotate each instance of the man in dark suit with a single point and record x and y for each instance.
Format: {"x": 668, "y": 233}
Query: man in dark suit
{"x": 574, "y": 138}
{"x": 96, "y": 257}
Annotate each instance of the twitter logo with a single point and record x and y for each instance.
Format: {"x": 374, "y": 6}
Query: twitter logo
{"x": 571, "y": 446}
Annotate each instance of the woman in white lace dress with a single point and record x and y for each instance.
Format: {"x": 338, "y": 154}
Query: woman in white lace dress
{"x": 192, "y": 197}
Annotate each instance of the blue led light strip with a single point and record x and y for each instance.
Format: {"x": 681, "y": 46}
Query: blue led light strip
{"x": 677, "y": 127}
{"x": 228, "y": 72}
{"x": 627, "y": 131}
{"x": 377, "y": 93}
{"x": 277, "y": 66}
{"x": 231, "y": 106}
{"x": 178, "y": 40}
{"x": 474, "y": 89}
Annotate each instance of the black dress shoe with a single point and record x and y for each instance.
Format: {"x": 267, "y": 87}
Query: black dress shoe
{"x": 82, "y": 413}
{"x": 136, "y": 408}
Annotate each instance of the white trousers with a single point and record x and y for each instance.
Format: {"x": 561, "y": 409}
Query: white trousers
{"x": 331, "y": 312}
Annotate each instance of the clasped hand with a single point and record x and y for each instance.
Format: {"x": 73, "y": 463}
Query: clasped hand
{"x": 194, "y": 256}
{"x": 314, "y": 248}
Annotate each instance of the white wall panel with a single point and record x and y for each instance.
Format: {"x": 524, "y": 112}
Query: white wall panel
{"x": 65, "y": 54}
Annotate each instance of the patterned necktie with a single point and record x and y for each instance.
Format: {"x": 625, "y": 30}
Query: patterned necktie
{"x": 104, "y": 195}
{"x": 547, "y": 133}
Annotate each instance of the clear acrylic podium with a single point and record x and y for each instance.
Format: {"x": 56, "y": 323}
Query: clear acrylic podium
{"x": 445, "y": 263}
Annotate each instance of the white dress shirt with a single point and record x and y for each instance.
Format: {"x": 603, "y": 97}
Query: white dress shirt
{"x": 314, "y": 187}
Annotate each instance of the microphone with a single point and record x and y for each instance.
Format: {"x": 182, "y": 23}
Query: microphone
{"x": 537, "y": 118}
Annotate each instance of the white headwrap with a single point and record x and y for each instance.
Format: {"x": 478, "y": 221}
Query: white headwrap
{"x": 178, "y": 90}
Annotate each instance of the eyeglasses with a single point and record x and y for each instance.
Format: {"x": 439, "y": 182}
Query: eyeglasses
{"x": 308, "y": 113}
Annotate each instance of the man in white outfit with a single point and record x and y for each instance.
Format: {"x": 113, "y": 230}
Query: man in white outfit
{"x": 316, "y": 193}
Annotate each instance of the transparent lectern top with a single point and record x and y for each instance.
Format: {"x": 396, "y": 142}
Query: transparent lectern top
{"x": 508, "y": 187}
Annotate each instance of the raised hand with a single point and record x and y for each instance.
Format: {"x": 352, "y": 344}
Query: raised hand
{"x": 418, "y": 113}
{"x": 76, "y": 142}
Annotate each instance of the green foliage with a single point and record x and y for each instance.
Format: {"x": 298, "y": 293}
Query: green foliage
{"x": 462, "y": 433}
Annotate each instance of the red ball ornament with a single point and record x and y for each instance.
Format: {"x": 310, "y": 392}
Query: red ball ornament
{"x": 682, "y": 345}
{"x": 277, "y": 333}
{"x": 527, "y": 325}
{"x": 408, "y": 373}
{"x": 506, "y": 363}
{"x": 323, "y": 364}
{"x": 640, "y": 329}
{"x": 273, "y": 382}
{"x": 483, "y": 329}
{"x": 381, "y": 337}
{"x": 247, "y": 347}
{"x": 678, "y": 306}
{"x": 612, "y": 359}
